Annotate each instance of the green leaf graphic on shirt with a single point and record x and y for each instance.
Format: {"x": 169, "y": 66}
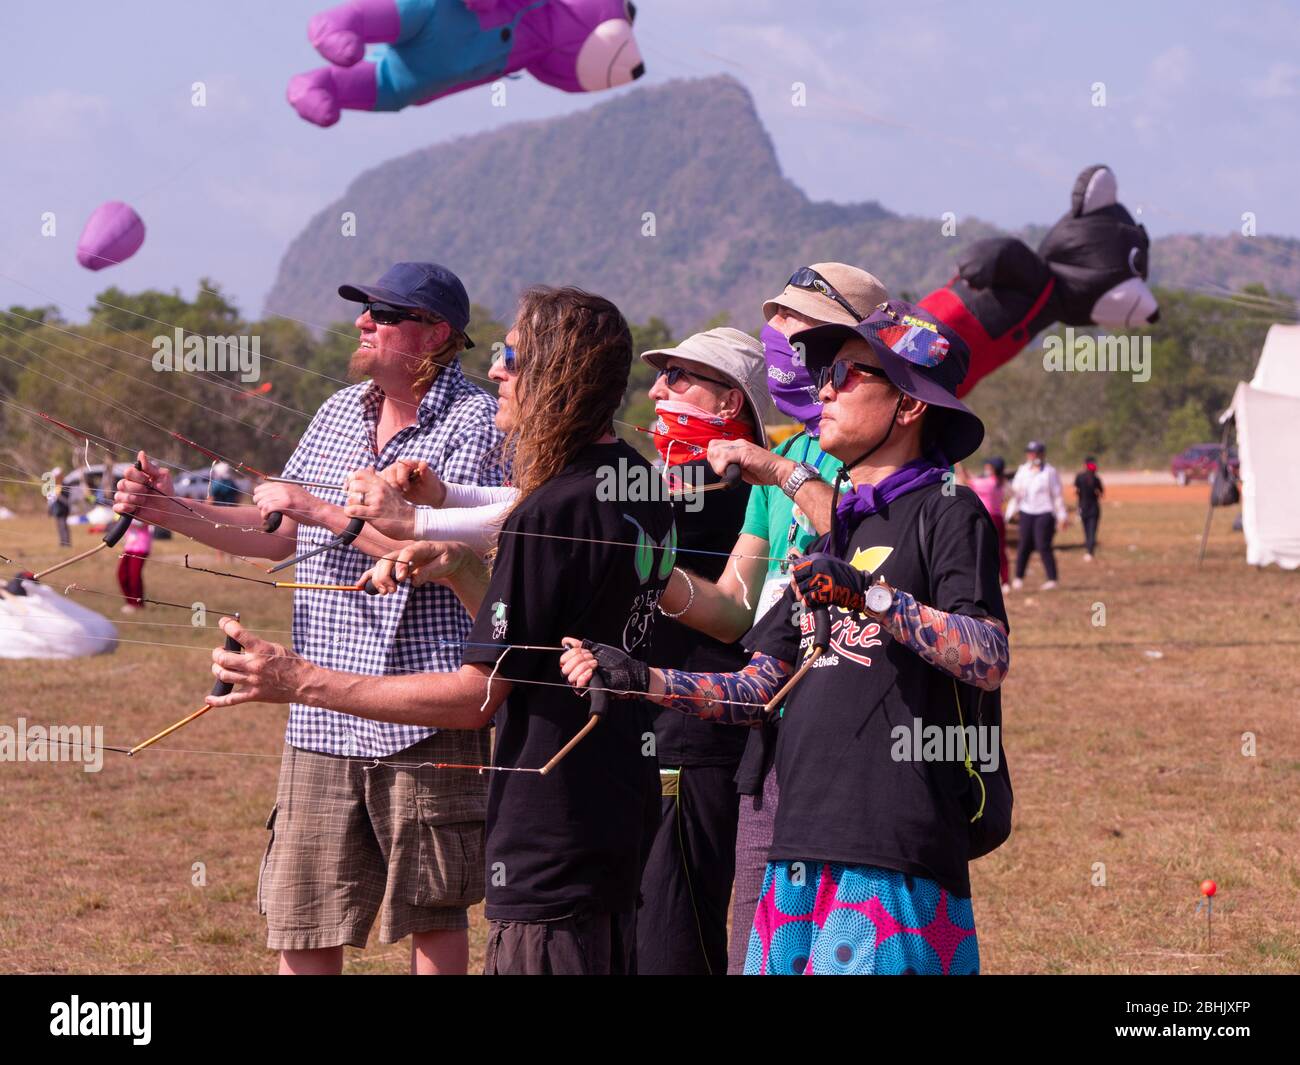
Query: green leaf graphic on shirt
{"x": 498, "y": 611}
{"x": 670, "y": 554}
{"x": 645, "y": 549}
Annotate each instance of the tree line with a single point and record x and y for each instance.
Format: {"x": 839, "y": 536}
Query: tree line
{"x": 99, "y": 377}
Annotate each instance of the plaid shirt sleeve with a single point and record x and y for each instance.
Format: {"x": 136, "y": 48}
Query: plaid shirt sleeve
{"x": 474, "y": 454}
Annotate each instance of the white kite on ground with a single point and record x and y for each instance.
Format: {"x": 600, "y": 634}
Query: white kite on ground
{"x": 41, "y": 623}
{"x": 100, "y": 516}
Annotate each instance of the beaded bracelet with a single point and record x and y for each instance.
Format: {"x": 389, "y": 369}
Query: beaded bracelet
{"x": 690, "y": 584}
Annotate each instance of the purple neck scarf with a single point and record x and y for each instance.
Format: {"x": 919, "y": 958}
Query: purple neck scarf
{"x": 788, "y": 381}
{"x": 866, "y": 499}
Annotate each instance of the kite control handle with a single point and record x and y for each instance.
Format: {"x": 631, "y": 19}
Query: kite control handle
{"x": 599, "y": 705}
{"x": 118, "y": 529}
{"x": 822, "y": 627}
{"x": 821, "y": 644}
{"x": 343, "y": 539}
{"x": 353, "y": 530}
{"x": 599, "y": 696}
{"x": 275, "y": 517}
{"x": 732, "y": 476}
{"x": 370, "y": 589}
{"x": 221, "y": 687}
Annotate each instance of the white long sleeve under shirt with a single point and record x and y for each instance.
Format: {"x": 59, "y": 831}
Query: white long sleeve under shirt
{"x": 471, "y": 514}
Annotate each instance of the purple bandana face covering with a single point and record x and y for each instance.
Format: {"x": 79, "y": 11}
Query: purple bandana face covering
{"x": 789, "y": 382}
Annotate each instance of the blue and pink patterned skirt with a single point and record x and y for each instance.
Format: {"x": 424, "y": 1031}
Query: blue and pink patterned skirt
{"x": 826, "y": 919}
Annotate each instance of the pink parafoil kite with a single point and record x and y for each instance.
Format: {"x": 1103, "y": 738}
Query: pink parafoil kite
{"x": 432, "y": 48}
{"x": 113, "y": 233}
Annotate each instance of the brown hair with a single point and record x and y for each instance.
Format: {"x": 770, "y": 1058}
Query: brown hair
{"x": 434, "y": 361}
{"x": 575, "y": 353}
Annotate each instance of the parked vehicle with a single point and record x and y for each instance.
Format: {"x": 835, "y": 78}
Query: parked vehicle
{"x": 1197, "y": 463}
{"x": 86, "y": 483}
{"x": 193, "y": 484}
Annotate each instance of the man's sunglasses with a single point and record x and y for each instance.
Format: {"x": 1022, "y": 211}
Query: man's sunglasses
{"x": 509, "y": 358}
{"x": 808, "y": 278}
{"x": 837, "y": 373}
{"x": 386, "y": 314}
{"x": 676, "y": 375}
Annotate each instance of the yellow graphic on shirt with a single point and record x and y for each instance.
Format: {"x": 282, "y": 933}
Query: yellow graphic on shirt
{"x": 870, "y": 559}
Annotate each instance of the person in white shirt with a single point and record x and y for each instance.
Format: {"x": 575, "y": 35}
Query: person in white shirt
{"x": 1036, "y": 496}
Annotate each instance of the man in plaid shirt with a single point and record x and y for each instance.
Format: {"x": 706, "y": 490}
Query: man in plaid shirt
{"x": 349, "y": 837}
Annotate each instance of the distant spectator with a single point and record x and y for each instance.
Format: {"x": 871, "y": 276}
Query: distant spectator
{"x": 222, "y": 491}
{"x": 1088, "y": 488}
{"x": 221, "y": 486}
{"x": 130, "y": 570}
{"x": 59, "y": 506}
{"x": 1036, "y": 495}
{"x": 990, "y": 486}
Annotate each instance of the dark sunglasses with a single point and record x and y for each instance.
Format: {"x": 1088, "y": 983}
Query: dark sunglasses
{"x": 808, "y": 278}
{"x": 675, "y": 374}
{"x": 385, "y": 314}
{"x": 837, "y": 373}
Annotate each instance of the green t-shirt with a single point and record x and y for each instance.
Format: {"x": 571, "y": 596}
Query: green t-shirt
{"x": 772, "y": 514}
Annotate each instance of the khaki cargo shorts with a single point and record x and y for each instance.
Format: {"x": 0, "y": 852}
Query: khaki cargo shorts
{"x": 348, "y": 839}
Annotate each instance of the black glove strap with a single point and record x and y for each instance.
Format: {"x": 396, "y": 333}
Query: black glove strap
{"x": 622, "y": 672}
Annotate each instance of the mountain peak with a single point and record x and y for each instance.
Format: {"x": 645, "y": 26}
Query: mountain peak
{"x": 667, "y": 200}
{"x": 661, "y": 199}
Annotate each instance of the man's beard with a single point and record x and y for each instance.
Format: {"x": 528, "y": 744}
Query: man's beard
{"x": 359, "y": 365}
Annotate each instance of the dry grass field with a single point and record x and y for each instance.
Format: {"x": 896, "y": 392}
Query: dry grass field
{"x": 1124, "y": 741}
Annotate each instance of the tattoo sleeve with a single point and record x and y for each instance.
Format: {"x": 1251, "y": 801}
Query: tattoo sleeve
{"x": 974, "y": 650}
{"x": 725, "y": 698}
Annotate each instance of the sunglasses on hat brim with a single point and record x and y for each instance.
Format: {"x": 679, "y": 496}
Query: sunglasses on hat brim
{"x": 808, "y": 278}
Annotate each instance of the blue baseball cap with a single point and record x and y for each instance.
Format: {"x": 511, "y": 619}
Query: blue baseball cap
{"x": 418, "y": 287}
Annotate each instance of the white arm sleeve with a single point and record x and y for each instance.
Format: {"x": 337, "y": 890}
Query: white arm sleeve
{"x": 476, "y": 527}
{"x": 476, "y": 495}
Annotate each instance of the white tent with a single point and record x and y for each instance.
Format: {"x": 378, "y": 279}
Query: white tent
{"x": 1267, "y": 411}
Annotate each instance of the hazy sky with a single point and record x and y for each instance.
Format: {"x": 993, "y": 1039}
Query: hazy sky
{"x": 982, "y": 109}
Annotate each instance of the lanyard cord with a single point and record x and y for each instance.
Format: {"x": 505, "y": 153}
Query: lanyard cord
{"x": 844, "y": 475}
{"x": 966, "y": 750}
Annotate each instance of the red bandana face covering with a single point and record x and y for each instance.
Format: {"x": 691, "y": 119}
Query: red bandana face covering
{"x": 683, "y": 431}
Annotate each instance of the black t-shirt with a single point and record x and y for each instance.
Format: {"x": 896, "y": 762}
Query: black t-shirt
{"x": 570, "y": 841}
{"x": 1088, "y": 485}
{"x": 843, "y": 796}
{"x": 683, "y": 740}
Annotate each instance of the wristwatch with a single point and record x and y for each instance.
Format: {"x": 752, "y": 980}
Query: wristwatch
{"x": 802, "y": 472}
{"x": 879, "y": 598}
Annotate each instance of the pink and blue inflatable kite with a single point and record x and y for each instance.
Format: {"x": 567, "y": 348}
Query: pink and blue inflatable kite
{"x": 433, "y": 48}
